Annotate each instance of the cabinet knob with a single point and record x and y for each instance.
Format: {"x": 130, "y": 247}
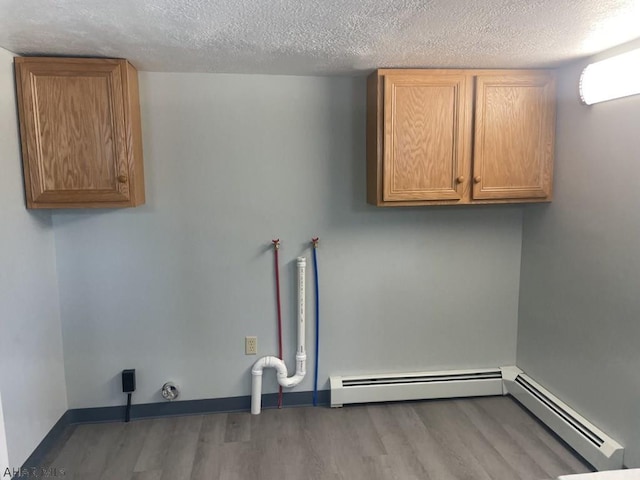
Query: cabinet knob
{"x": 460, "y": 179}
{"x": 122, "y": 178}
{"x": 477, "y": 179}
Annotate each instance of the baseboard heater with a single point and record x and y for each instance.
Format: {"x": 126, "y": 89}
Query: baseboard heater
{"x": 414, "y": 386}
{"x": 593, "y": 444}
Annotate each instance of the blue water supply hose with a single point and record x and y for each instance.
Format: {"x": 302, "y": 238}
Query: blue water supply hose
{"x": 314, "y": 242}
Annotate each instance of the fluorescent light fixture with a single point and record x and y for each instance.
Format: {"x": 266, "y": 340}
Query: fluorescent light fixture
{"x": 612, "y": 78}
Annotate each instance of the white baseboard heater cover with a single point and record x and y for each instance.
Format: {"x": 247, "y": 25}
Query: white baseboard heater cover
{"x": 593, "y": 444}
{"x": 414, "y": 386}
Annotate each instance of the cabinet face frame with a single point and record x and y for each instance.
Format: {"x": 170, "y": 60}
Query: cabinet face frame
{"x": 439, "y": 106}
{"x": 113, "y": 84}
{"x": 501, "y": 130}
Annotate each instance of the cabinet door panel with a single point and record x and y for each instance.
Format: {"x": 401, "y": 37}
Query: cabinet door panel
{"x": 424, "y": 137}
{"x": 514, "y": 132}
{"x": 74, "y": 132}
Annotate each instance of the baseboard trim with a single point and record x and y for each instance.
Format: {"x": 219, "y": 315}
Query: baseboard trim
{"x": 36, "y": 459}
{"x": 193, "y": 407}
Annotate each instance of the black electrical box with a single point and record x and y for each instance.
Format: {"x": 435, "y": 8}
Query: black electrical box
{"x": 129, "y": 380}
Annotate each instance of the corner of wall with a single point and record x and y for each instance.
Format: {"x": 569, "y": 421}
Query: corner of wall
{"x": 31, "y": 341}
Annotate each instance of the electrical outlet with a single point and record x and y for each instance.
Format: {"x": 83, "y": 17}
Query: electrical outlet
{"x": 250, "y": 345}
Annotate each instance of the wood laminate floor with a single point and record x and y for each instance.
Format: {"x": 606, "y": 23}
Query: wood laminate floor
{"x": 490, "y": 438}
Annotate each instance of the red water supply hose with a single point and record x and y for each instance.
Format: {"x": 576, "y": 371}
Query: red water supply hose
{"x": 276, "y": 247}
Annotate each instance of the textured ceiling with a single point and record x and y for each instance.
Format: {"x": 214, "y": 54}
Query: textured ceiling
{"x": 319, "y": 36}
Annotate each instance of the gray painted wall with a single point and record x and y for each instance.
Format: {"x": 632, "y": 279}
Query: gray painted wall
{"x": 4, "y": 451}
{"x": 579, "y": 305}
{"x": 232, "y": 161}
{"x": 31, "y": 365}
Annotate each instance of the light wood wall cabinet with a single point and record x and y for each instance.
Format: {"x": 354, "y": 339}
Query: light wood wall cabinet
{"x": 80, "y": 132}
{"x": 449, "y": 137}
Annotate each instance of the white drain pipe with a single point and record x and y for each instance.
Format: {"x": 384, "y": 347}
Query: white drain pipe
{"x": 275, "y": 362}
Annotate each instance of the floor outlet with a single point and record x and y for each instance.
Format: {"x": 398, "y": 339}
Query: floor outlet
{"x": 250, "y": 345}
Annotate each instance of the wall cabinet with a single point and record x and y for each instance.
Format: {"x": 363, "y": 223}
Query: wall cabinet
{"x": 80, "y": 132}
{"x": 460, "y": 136}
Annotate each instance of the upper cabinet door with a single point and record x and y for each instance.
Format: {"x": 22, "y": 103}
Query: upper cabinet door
{"x": 514, "y": 136}
{"x": 425, "y": 141}
{"x": 78, "y": 139}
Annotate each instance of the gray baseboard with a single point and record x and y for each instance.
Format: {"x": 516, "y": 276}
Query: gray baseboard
{"x": 164, "y": 409}
{"x": 36, "y": 459}
{"x": 194, "y": 407}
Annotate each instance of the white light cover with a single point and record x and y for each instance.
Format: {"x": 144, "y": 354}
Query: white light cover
{"x": 614, "y": 77}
